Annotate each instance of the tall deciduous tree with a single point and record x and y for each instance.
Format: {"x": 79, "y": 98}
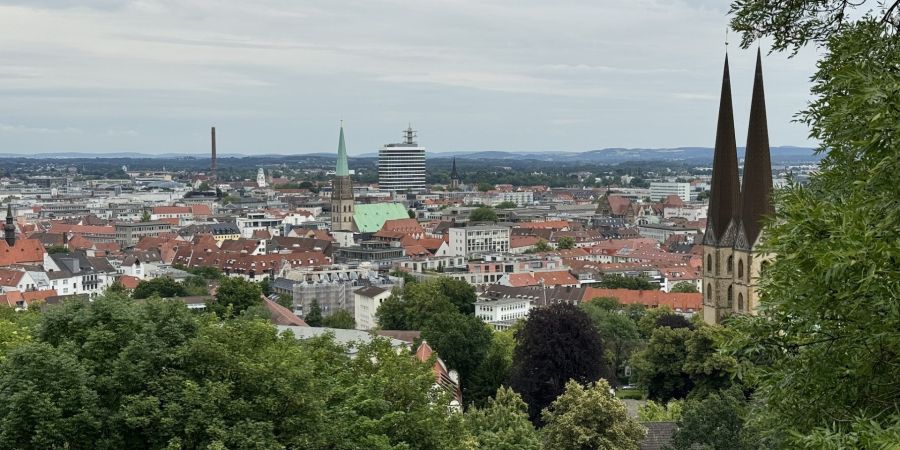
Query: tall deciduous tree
{"x": 590, "y": 418}
{"x": 236, "y": 293}
{"x": 313, "y": 317}
{"x": 824, "y": 351}
{"x": 557, "y": 343}
{"x": 502, "y": 424}
{"x": 462, "y": 341}
{"x": 162, "y": 287}
{"x": 483, "y": 214}
{"x": 341, "y": 318}
{"x": 565, "y": 243}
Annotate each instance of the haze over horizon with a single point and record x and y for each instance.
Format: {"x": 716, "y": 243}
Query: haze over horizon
{"x": 151, "y": 76}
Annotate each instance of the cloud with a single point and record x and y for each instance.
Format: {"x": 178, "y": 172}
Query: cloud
{"x": 15, "y": 128}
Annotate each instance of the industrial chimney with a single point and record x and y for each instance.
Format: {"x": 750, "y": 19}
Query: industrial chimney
{"x": 213, "y": 163}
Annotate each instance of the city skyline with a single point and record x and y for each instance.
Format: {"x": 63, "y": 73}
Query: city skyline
{"x": 153, "y": 76}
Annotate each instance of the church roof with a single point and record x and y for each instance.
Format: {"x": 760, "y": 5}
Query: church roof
{"x": 724, "y": 195}
{"x": 342, "y": 169}
{"x": 756, "y": 201}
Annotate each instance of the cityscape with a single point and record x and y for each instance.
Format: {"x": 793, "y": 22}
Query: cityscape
{"x": 739, "y": 295}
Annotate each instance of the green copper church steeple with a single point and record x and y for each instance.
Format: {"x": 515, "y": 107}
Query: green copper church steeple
{"x": 342, "y": 170}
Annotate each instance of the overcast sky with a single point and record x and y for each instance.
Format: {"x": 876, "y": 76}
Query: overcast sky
{"x": 277, "y": 76}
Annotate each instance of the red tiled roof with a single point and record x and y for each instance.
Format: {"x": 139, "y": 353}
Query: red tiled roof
{"x": 11, "y": 277}
{"x": 554, "y": 278}
{"x": 57, "y": 227}
{"x": 201, "y": 210}
{"x": 172, "y": 210}
{"x": 549, "y": 224}
{"x": 129, "y": 282}
{"x": 25, "y": 251}
{"x": 523, "y": 241}
{"x": 678, "y": 301}
{"x": 279, "y": 315}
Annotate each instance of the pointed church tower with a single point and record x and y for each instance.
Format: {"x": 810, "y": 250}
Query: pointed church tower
{"x": 756, "y": 198}
{"x": 9, "y": 229}
{"x": 723, "y": 213}
{"x": 342, "y": 191}
{"x": 454, "y": 176}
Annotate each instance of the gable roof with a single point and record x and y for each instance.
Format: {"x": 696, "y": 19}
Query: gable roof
{"x": 25, "y": 251}
{"x": 677, "y": 301}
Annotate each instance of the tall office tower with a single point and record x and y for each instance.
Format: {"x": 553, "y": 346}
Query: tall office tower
{"x": 401, "y": 167}
{"x": 731, "y": 265}
{"x": 342, "y": 191}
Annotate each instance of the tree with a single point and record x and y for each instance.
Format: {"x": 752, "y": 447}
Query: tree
{"x": 286, "y": 300}
{"x": 502, "y": 424}
{"x": 821, "y": 354}
{"x": 118, "y": 374}
{"x": 411, "y": 213}
{"x": 161, "y": 287}
{"x": 660, "y": 365}
{"x": 57, "y": 249}
{"x": 339, "y": 319}
{"x": 406, "y": 276}
{"x": 618, "y": 333}
{"x": 565, "y": 243}
{"x": 265, "y": 286}
{"x": 506, "y": 205}
{"x": 236, "y": 293}
{"x": 418, "y": 303}
{"x": 462, "y": 341}
{"x": 484, "y": 187}
{"x": 623, "y": 282}
{"x": 715, "y": 421}
{"x": 314, "y": 315}
{"x": 542, "y": 246}
{"x": 493, "y": 370}
{"x": 557, "y": 343}
{"x": 684, "y": 286}
{"x": 673, "y": 321}
{"x": 590, "y": 418}
{"x": 483, "y": 214}
{"x": 145, "y": 216}
{"x": 660, "y": 412}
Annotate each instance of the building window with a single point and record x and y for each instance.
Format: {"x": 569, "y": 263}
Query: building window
{"x": 730, "y": 296}
{"x": 709, "y": 263}
{"x": 730, "y": 265}
{"x": 741, "y": 268}
{"x": 740, "y": 302}
{"x": 709, "y": 293}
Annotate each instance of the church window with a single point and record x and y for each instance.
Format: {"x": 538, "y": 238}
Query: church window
{"x": 740, "y": 268}
{"x": 740, "y": 302}
{"x": 709, "y": 292}
{"x": 730, "y": 296}
{"x": 730, "y": 265}
{"x": 709, "y": 263}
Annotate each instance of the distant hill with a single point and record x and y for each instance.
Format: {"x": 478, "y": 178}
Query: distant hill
{"x": 693, "y": 155}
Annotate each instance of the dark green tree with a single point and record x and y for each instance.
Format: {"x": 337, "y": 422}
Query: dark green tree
{"x": 618, "y": 333}
{"x": 684, "y": 286}
{"x": 483, "y": 214}
{"x": 161, "y": 287}
{"x": 506, "y": 205}
{"x": 565, "y": 243}
{"x": 493, "y": 370}
{"x": 237, "y": 294}
{"x": 623, "y": 282}
{"x": 461, "y": 340}
{"x": 557, "y": 343}
{"x": 339, "y": 319}
{"x": 313, "y": 317}
{"x": 716, "y": 421}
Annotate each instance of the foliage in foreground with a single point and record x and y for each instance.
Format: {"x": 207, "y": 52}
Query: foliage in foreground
{"x": 590, "y": 417}
{"x": 118, "y": 374}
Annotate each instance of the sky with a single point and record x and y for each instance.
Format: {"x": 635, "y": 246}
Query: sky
{"x": 278, "y": 76}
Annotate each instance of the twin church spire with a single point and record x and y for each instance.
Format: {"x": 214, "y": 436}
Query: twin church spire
{"x": 737, "y": 209}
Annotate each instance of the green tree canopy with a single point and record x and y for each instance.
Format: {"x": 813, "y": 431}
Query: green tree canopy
{"x": 590, "y": 417}
{"x": 822, "y": 353}
{"x": 483, "y": 214}
{"x": 236, "y": 293}
{"x": 339, "y": 319}
{"x": 462, "y": 341}
{"x": 502, "y": 424}
{"x": 565, "y": 243}
{"x": 557, "y": 343}
{"x": 623, "y": 282}
{"x": 716, "y": 421}
{"x": 164, "y": 287}
{"x": 118, "y": 374}
{"x": 313, "y": 317}
{"x": 418, "y": 303}
{"x": 618, "y": 333}
{"x": 506, "y": 205}
{"x": 684, "y": 286}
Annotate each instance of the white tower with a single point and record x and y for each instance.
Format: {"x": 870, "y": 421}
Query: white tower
{"x": 261, "y": 178}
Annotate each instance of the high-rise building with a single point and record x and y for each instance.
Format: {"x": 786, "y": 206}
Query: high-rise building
{"x": 736, "y": 214}
{"x": 660, "y": 190}
{"x": 401, "y": 167}
{"x": 342, "y": 191}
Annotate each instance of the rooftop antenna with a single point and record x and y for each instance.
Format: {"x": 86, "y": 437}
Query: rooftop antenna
{"x": 409, "y": 136}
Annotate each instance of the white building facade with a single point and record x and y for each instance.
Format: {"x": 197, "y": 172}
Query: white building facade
{"x": 401, "y": 167}
{"x": 477, "y": 240}
{"x": 660, "y": 190}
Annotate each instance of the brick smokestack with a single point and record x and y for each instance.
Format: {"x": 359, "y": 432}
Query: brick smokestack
{"x": 213, "y": 162}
